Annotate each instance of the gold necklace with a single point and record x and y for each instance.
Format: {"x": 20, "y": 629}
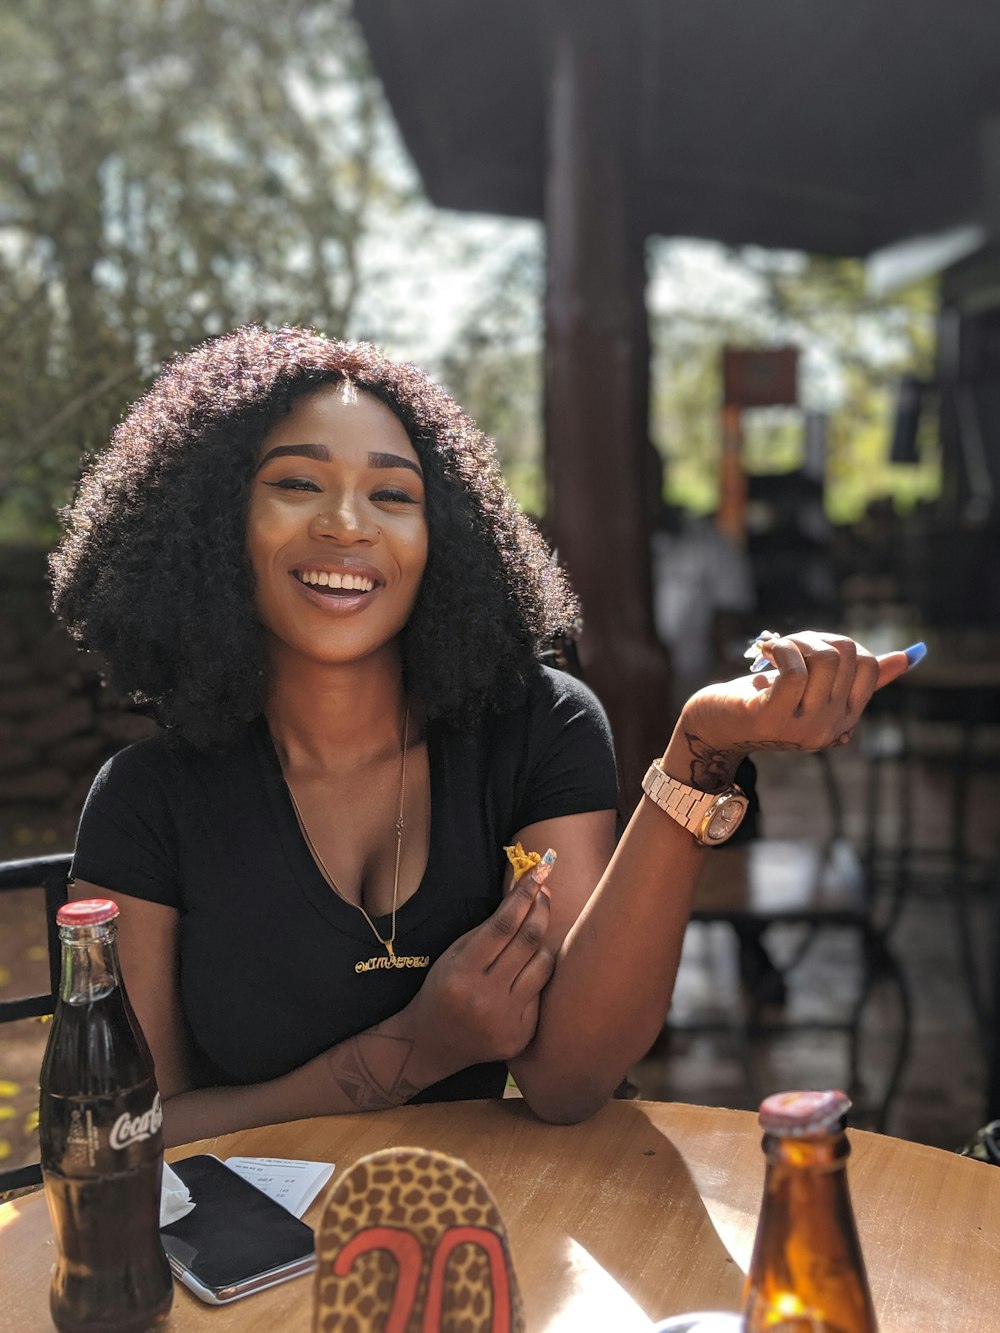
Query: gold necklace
{"x": 392, "y": 959}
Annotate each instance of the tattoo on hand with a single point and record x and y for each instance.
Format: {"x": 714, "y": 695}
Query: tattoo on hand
{"x": 370, "y": 1071}
{"x": 712, "y": 769}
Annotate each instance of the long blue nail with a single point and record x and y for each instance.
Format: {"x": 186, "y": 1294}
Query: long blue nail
{"x": 761, "y": 663}
{"x": 915, "y": 653}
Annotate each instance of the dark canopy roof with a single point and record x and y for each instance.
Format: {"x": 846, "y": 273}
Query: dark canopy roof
{"x": 834, "y": 126}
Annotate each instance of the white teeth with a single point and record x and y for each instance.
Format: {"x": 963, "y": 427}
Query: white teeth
{"x": 351, "y": 582}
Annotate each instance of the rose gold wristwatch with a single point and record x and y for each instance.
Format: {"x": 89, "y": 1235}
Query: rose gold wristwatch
{"x": 711, "y": 817}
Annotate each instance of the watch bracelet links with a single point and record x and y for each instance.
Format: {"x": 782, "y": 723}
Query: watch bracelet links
{"x": 680, "y": 799}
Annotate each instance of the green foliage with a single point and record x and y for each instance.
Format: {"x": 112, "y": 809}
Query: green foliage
{"x": 853, "y": 347}
{"x": 167, "y": 170}
{"x": 170, "y": 168}
{"x": 853, "y": 350}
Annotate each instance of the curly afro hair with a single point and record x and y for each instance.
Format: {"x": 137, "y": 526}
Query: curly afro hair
{"x": 152, "y": 572}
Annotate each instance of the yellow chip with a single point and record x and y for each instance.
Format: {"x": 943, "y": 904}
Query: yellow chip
{"x": 521, "y": 860}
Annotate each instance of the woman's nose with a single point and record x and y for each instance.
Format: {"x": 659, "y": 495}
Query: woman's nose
{"x": 344, "y": 521}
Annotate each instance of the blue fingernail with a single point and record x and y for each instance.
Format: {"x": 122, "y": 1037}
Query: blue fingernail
{"x": 915, "y": 653}
{"x": 760, "y": 664}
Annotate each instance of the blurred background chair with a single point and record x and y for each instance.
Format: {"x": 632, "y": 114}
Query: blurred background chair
{"x": 48, "y": 876}
{"x": 779, "y": 896}
{"x": 933, "y": 752}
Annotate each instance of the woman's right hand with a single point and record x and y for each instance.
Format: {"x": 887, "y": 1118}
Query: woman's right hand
{"x": 479, "y": 1001}
{"x": 811, "y": 699}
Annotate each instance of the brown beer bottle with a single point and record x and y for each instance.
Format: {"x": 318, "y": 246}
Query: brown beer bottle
{"x": 807, "y": 1274}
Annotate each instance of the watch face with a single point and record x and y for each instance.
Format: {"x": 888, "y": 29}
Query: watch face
{"x": 726, "y": 819}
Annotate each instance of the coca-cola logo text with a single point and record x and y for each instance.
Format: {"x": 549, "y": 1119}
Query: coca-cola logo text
{"x": 133, "y": 1129}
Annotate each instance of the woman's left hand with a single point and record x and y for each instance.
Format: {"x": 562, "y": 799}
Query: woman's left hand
{"x": 820, "y": 686}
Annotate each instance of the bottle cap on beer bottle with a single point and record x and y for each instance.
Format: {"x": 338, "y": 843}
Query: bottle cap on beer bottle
{"x": 87, "y": 912}
{"x": 800, "y": 1115}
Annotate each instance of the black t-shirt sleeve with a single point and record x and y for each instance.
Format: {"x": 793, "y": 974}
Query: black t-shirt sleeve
{"x": 570, "y": 761}
{"x": 127, "y": 841}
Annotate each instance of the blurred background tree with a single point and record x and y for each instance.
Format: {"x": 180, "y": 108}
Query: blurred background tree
{"x": 854, "y": 345}
{"x": 168, "y": 170}
{"x": 493, "y": 366}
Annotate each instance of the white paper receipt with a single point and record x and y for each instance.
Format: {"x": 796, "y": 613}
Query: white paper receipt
{"x": 293, "y": 1184}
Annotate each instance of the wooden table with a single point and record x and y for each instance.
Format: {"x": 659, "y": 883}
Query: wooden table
{"x": 647, "y": 1210}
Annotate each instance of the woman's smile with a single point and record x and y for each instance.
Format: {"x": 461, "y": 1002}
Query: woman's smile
{"x": 342, "y": 581}
{"x": 336, "y": 529}
{"x": 334, "y": 582}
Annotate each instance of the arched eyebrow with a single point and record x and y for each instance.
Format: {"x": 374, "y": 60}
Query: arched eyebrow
{"x": 394, "y": 460}
{"x": 321, "y": 454}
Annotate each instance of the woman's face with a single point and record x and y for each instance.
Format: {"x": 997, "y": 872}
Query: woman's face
{"x": 336, "y": 527}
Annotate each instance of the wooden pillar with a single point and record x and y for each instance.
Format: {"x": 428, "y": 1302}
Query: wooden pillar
{"x": 597, "y": 367}
{"x": 731, "y": 515}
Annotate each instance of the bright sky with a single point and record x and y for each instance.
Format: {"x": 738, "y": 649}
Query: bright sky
{"x": 433, "y": 274}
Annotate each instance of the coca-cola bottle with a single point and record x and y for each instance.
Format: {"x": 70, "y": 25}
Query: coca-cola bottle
{"x": 101, "y": 1142}
{"x": 807, "y": 1274}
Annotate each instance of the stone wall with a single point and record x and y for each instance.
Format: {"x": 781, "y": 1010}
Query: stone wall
{"x": 58, "y": 721}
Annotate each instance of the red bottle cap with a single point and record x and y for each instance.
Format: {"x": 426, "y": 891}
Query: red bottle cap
{"x": 799, "y": 1114}
{"x": 87, "y": 912}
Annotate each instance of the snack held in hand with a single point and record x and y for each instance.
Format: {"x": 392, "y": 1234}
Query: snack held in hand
{"x": 523, "y": 862}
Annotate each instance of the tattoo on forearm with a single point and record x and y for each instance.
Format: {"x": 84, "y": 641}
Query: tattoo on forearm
{"x": 370, "y": 1071}
{"x": 713, "y": 769}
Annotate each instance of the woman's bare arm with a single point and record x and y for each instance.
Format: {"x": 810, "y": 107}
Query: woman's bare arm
{"x": 620, "y": 919}
{"x": 617, "y": 960}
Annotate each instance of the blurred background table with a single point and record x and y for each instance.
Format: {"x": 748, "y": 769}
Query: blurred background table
{"x": 646, "y": 1210}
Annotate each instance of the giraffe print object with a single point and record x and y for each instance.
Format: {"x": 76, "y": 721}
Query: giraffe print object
{"x": 411, "y": 1241}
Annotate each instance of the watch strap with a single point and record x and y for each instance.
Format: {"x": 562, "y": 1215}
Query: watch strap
{"x": 687, "y": 805}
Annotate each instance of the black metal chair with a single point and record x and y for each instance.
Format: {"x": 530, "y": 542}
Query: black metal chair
{"x": 50, "y": 874}
{"x": 815, "y": 884}
{"x": 955, "y": 730}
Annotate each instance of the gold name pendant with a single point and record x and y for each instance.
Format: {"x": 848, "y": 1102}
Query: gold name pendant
{"x": 385, "y": 962}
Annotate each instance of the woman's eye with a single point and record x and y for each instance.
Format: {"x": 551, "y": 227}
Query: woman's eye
{"x": 293, "y": 484}
{"x": 390, "y": 494}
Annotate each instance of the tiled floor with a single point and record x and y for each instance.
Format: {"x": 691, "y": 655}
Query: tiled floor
{"x": 941, "y": 1094}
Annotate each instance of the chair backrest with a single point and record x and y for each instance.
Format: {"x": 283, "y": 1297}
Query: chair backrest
{"x": 51, "y": 874}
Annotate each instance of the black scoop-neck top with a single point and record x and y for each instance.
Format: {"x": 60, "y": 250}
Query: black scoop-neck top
{"x": 267, "y": 949}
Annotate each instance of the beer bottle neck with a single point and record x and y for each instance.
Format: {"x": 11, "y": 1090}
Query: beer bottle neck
{"x": 805, "y": 1193}
{"x": 807, "y": 1271}
{"x": 823, "y": 1154}
{"x": 90, "y": 968}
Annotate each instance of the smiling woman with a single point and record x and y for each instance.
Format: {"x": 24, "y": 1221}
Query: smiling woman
{"x": 171, "y": 495}
{"x": 336, "y": 524}
{"x": 303, "y": 558}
